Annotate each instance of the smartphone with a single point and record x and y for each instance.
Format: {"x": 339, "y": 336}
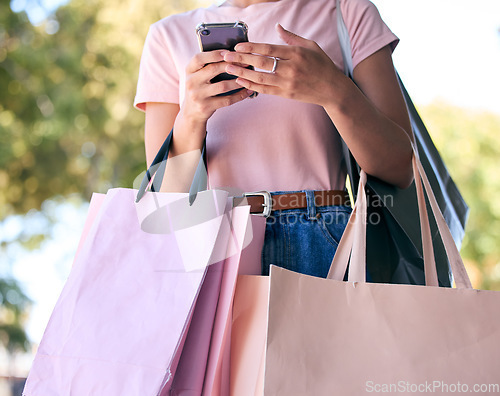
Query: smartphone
{"x": 216, "y": 36}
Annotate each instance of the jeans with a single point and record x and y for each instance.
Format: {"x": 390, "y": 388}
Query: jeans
{"x": 304, "y": 240}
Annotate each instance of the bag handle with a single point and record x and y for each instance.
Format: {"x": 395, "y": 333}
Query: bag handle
{"x": 353, "y": 242}
{"x": 458, "y": 270}
{"x": 157, "y": 170}
{"x": 345, "y": 42}
{"x": 456, "y": 264}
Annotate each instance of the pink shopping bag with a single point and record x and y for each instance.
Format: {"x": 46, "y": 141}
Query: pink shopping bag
{"x": 201, "y": 369}
{"x": 94, "y": 207}
{"x": 219, "y": 367}
{"x": 120, "y": 322}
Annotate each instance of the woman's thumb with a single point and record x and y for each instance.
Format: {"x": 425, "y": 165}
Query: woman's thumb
{"x": 289, "y": 37}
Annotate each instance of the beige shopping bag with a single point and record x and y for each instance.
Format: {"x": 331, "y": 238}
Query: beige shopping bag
{"x": 298, "y": 335}
{"x": 249, "y": 319}
{"x": 329, "y": 337}
{"x": 248, "y": 337}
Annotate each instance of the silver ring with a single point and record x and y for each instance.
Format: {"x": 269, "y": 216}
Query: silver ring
{"x": 275, "y": 64}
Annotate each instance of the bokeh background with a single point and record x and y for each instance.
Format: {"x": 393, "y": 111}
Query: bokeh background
{"x": 68, "y": 73}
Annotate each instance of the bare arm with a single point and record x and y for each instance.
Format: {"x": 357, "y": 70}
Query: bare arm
{"x": 160, "y": 118}
{"x": 376, "y": 121}
{"x": 371, "y": 116}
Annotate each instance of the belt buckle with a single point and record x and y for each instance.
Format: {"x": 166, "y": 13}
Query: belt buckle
{"x": 267, "y": 205}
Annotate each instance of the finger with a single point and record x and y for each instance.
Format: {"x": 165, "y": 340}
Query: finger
{"x": 199, "y": 84}
{"x": 242, "y": 64}
{"x": 258, "y": 77}
{"x": 208, "y": 72}
{"x": 228, "y": 100}
{"x": 205, "y": 92}
{"x": 257, "y": 61}
{"x": 261, "y": 88}
{"x": 201, "y": 59}
{"x": 279, "y": 51}
{"x": 222, "y": 87}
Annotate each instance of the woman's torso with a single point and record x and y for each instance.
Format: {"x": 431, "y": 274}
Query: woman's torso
{"x": 267, "y": 143}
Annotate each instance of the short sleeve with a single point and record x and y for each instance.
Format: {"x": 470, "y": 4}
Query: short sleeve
{"x": 158, "y": 77}
{"x": 367, "y": 31}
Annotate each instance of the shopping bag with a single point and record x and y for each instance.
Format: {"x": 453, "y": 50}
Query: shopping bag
{"x": 149, "y": 296}
{"x": 124, "y": 310}
{"x": 209, "y": 330}
{"x": 190, "y": 372}
{"x": 204, "y": 362}
{"x": 248, "y": 335}
{"x": 393, "y": 235}
{"x": 217, "y": 376}
{"x": 348, "y": 338}
{"x": 94, "y": 206}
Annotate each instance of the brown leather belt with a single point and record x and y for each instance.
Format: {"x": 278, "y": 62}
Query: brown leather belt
{"x": 262, "y": 203}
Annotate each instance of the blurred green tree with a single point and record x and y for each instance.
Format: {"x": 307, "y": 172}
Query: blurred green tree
{"x": 66, "y": 90}
{"x": 468, "y": 142}
{"x": 14, "y": 304}
{"x": 66, "y": 119}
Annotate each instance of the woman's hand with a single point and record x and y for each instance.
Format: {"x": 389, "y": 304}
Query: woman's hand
{"x": 201, "y": 99}
{"x": 370, "y": 115}
{"x": 304, "y": 71}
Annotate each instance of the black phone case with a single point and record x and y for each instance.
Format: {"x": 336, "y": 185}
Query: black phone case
{"x": 216, "y": 36}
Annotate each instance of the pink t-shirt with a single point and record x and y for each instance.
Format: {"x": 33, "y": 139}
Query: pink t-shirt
{"x": 267, "y": 143}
